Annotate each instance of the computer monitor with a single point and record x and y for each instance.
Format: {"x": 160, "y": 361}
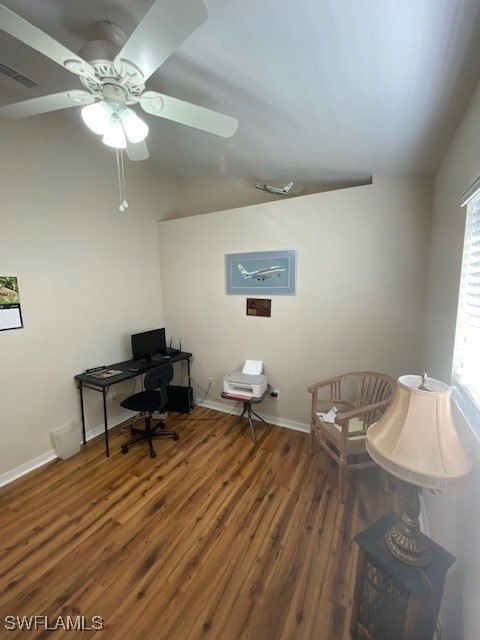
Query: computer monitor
{"x": 146, "y": 344}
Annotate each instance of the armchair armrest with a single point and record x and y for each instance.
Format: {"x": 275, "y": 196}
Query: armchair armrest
{"x": 359, "y": 411}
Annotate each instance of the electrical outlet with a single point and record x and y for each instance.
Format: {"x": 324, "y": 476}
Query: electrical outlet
{"x": 210, "y": 381}
{"x": 275, "y": 393}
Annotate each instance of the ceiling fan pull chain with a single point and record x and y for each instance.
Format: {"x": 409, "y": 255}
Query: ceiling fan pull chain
{"x": 121, "y": 180}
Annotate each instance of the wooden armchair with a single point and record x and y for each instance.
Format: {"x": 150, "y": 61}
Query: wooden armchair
{"x": 361, "y": 397}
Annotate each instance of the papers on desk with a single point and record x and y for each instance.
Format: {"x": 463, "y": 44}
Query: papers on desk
{"x": 105, "y": 373}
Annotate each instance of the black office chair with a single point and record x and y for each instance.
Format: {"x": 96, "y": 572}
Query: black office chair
{"x": 154, "y": 398}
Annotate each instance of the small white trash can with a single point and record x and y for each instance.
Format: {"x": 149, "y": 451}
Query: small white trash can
{"x": 67, "y": 439}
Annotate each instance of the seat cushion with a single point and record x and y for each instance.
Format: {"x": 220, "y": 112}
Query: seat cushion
{"x": 148, "y": 401}
{"x": 355, "y": 428}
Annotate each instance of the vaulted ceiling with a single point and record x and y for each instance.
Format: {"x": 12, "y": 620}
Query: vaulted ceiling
{"x": 324, "y": 90}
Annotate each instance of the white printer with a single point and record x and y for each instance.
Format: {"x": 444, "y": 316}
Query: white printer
{"x": 249, "y": 383}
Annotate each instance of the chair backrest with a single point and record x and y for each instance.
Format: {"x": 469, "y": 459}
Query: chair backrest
{"x": 372, "y": 388}
{"x": 158, "y": 378}
{"x": 355, "y": 390}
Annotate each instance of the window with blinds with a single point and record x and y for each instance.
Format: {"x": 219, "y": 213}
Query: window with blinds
{"x": 466, "y": 365}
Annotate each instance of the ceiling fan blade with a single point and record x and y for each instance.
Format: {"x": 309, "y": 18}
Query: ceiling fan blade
{"x": 192, "y": 115}
{"x": 44, "y": 104}
{"x": 161, "y": 31}
{"x": 35, "y": 38}
{"x": 137, "y": 151}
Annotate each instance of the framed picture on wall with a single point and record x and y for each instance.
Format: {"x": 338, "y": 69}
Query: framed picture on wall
{"x": 261, "y": 307}
{"x": 262, "y": 272}
{"x": 10, "y": 310}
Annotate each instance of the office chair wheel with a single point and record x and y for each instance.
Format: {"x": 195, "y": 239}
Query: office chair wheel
{"x": 153, "y": 454}
{"x": 124, "y": 449}
{"x": 176, "y": 437}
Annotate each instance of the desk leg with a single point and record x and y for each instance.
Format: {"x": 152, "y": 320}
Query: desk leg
{"x": 238, "y": 418}
{"x": 249, "y": 416}
{"x": 247, "y": 413}
{"x": 259, "y": 417}
{"x": 252, "y": 428}
{"x": 80, "y": 388}
{"x": 105, "y": 420}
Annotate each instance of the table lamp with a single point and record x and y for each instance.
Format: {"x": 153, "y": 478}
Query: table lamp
{"x": 416, "y": 440}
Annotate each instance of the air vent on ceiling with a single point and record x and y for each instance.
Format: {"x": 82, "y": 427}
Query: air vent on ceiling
{"x": 18, "y": 77}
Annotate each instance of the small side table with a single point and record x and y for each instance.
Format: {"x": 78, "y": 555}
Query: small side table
{"x": 247, "y": 408}
{"x": 392, "y": 599}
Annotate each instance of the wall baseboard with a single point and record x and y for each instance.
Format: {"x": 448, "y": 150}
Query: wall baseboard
{"x": 48, "y": 456}
{"x": 18, "y": 472}
{"x": 280, "y": 422}
{"x": 120, "y": 418}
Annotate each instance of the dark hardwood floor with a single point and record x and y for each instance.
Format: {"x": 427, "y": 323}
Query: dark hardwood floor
{"x": 215, "y": 538}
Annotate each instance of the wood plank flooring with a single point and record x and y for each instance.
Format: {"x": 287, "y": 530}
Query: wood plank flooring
{"x": 215, "y": 538}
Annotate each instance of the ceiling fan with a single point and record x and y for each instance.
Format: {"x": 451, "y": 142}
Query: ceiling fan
{"x": 114, "y": 70}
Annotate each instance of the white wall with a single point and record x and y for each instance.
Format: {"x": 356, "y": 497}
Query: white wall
{"x": 88, "y": 275}
{"x": 360, "y": 290}
{"x": 455, "y": 519}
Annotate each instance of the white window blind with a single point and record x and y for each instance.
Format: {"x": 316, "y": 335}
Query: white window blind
{"x": 466, "y": 366}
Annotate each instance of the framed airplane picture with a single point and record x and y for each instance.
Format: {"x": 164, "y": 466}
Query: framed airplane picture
{"x": 262, "y": 272}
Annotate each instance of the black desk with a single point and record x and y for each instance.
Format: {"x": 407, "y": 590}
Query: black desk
{"x": 103, "y": 384}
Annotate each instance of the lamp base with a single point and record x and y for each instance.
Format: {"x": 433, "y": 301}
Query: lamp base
{"x": 411, "y": 549}
{"x": 405, "y": 540}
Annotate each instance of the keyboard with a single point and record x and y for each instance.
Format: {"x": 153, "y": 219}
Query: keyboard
{"x": 145, "y": 366}
{"x": 159, "y": 359}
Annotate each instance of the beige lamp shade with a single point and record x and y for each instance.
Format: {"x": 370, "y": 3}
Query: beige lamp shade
{"x": 416, "y": 440}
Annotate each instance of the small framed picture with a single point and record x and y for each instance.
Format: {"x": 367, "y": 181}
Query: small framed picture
{"x": 259, "y": 307}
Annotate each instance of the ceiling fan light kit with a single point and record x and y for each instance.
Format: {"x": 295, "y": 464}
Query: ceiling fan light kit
{"x": 115, "y": 123}
{"x": 97, "y": 117}
{"x": 135, "y": 128}
{"x": 114, "y": 136}
{"x": 113, "y": 72}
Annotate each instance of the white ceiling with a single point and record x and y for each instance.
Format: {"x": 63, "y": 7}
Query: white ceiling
{"x": 324, "y": 90}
